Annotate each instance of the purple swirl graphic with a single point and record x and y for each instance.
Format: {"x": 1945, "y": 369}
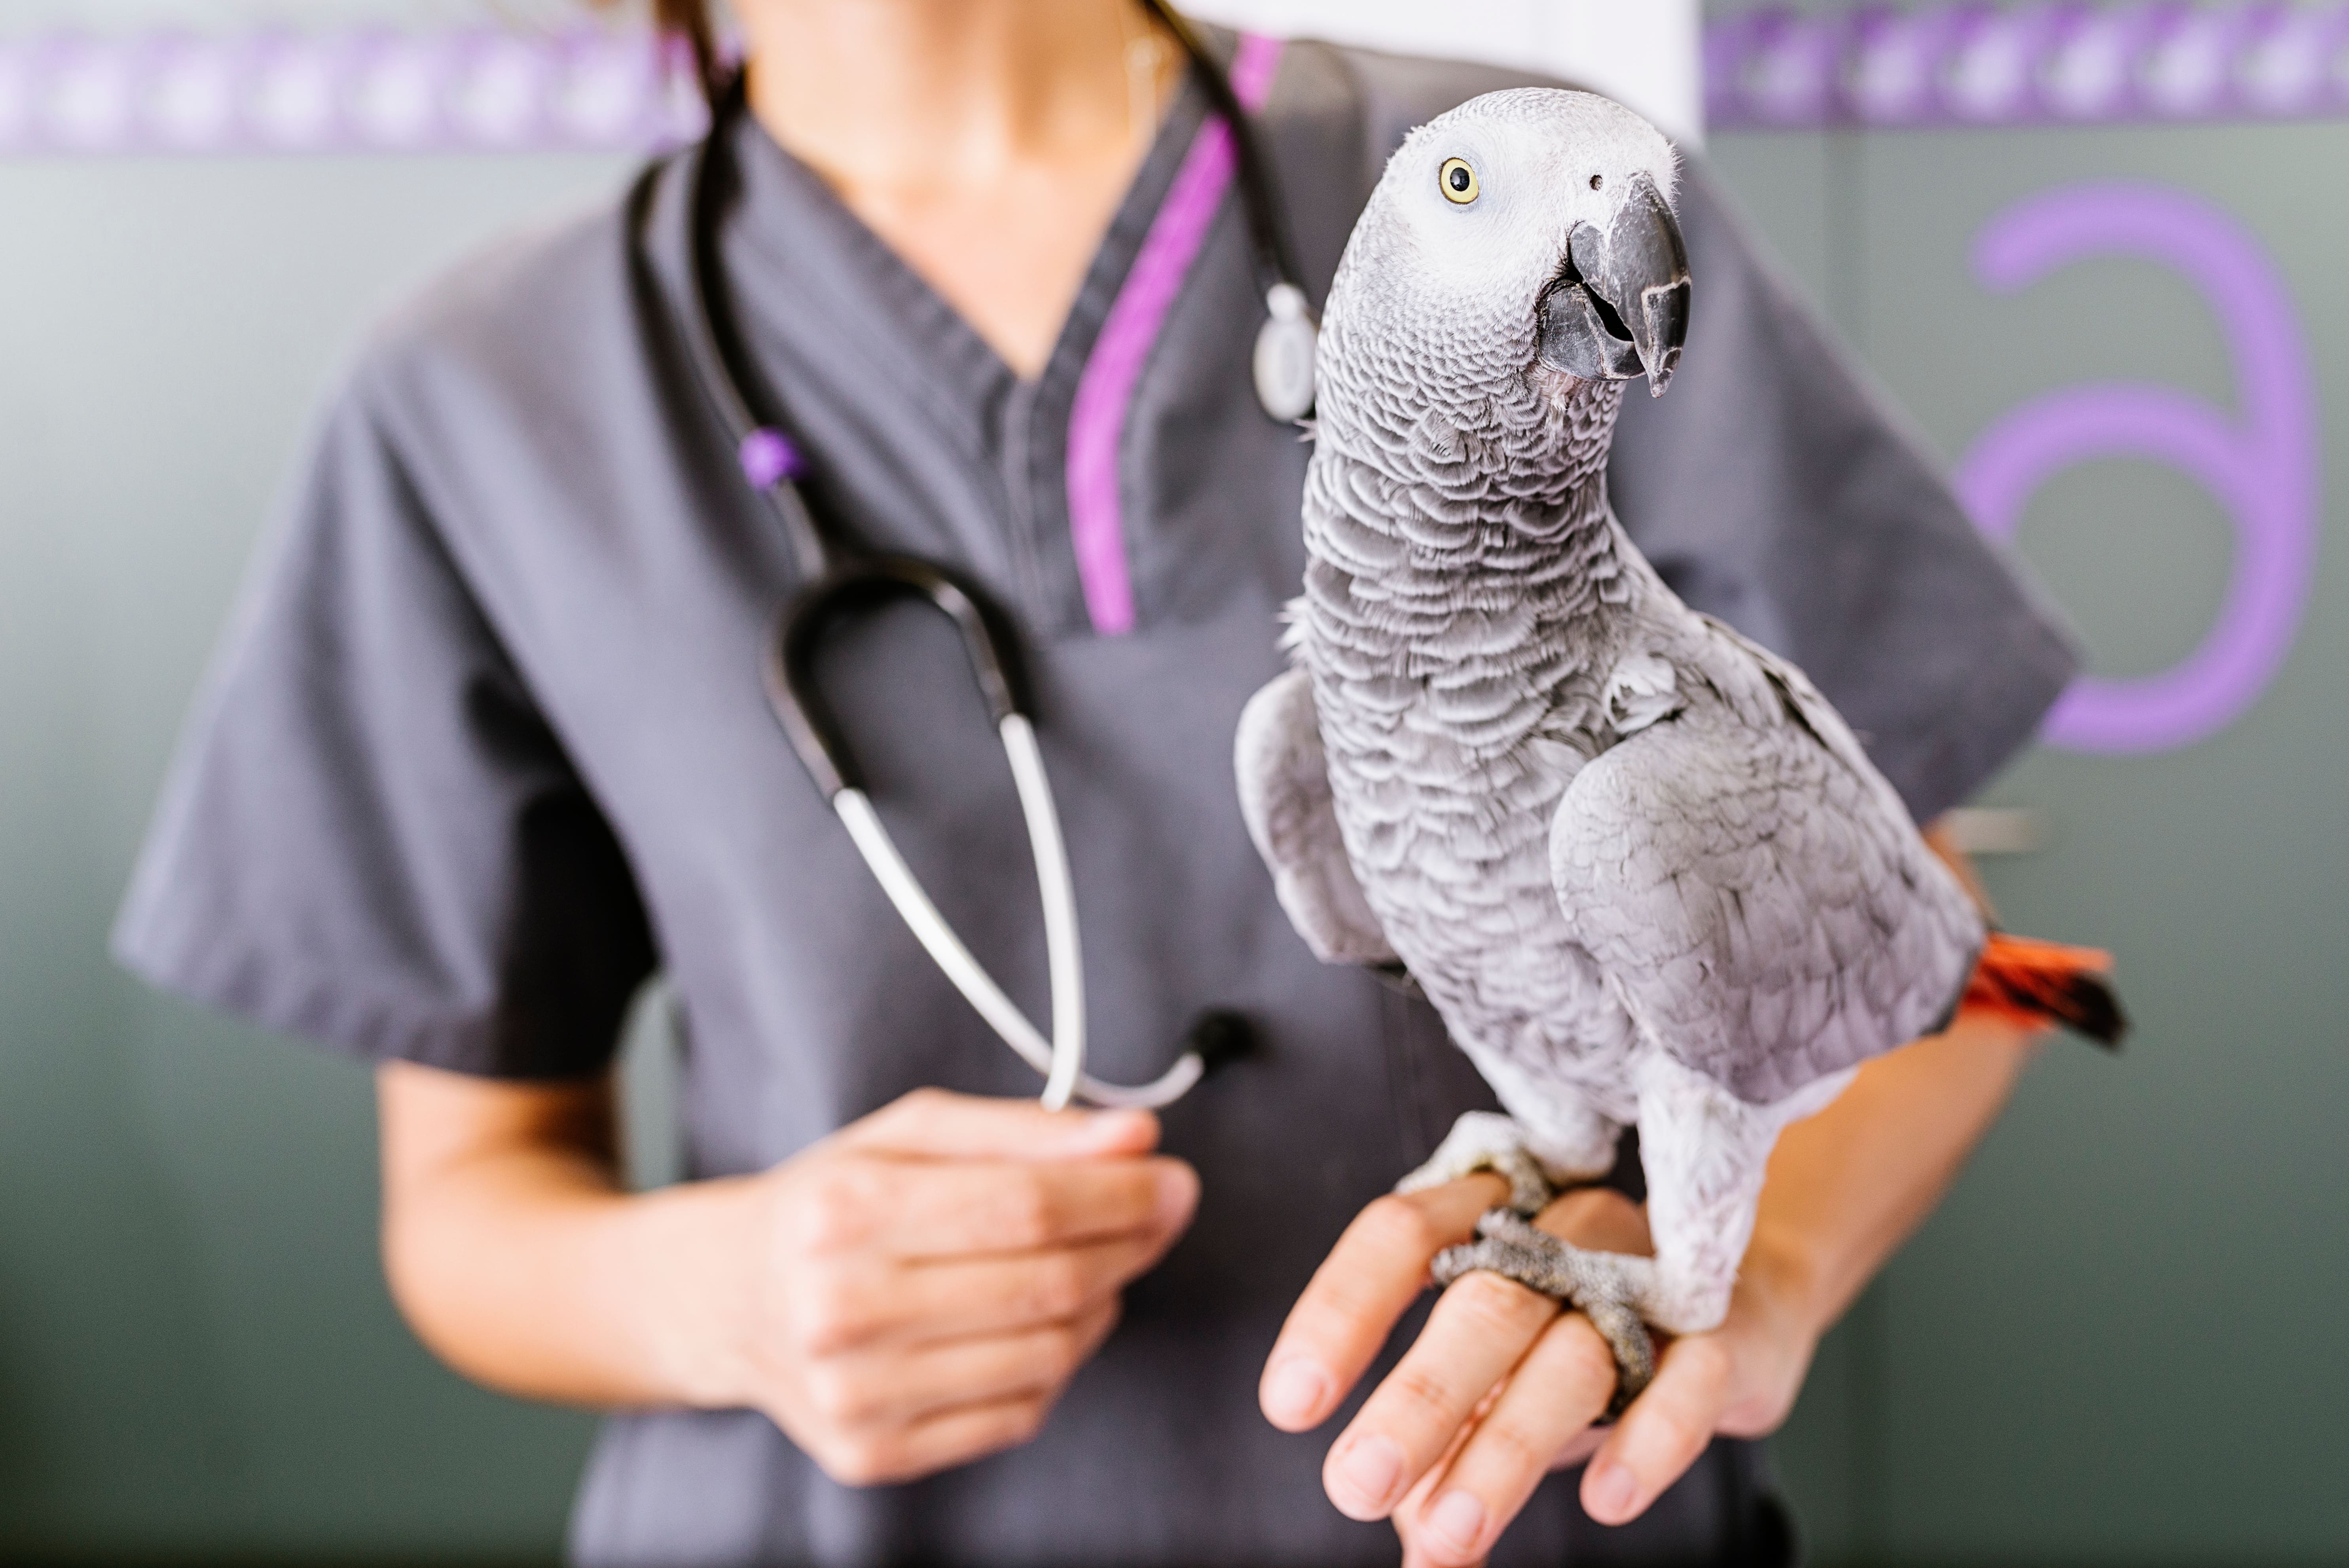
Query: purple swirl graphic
{"x": 2261, "y": 463}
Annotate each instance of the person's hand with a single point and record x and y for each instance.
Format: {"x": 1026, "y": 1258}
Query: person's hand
{"x": 921, "y": 1286}
{"x": 1501, "y": 1388}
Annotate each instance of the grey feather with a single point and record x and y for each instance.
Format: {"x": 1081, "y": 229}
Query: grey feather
{"x": 1761, "y": 912}
{"x": 1284, "y": 785}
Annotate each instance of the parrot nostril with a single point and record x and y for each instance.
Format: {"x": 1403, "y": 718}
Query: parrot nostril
{"x": 1597, "y": 181}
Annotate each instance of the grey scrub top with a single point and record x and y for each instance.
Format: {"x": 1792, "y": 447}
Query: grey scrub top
{"x": 486, "y": 745}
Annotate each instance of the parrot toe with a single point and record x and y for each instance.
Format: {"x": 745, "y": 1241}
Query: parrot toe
{"x": 1603, "y": 1287}
{"x": 1484, "y": 1140}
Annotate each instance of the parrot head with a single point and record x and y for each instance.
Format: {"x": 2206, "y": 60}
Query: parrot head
{"x": 1529, "y": 231}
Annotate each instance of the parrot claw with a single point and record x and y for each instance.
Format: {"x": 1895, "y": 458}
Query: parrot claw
{"x": 1602, "y": 1286}
{"x": 1482, "y": 1140}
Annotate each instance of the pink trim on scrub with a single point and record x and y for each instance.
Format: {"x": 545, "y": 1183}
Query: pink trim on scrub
{"x": 1097, "y": 417}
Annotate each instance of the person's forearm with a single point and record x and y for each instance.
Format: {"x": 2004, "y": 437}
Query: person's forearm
{"x": 530, "y": 1270}
{"x": 1846, "y": 1186}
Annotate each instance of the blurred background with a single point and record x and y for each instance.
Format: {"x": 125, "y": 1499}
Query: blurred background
{"x": 2095, "y": 251}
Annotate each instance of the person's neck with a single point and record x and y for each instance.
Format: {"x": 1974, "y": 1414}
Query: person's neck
{"x": 897, "y": 98}
{"x": 987, "y": 142}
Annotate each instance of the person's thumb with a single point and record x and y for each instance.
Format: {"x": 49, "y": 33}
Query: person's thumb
{"x": 935, "y": 1124}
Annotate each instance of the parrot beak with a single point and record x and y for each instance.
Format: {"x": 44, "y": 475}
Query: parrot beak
{"x": 1620, "y": 305}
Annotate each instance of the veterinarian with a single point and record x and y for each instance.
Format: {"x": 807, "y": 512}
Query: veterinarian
{"x": 489, "y": 742}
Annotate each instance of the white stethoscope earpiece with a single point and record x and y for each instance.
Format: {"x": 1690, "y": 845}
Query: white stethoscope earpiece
{"x": 1285, "y": 346}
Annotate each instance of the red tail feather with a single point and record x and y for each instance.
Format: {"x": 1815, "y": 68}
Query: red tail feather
{"x": 2041, "y": 983}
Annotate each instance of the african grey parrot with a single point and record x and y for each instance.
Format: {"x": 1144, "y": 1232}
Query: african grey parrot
{"x": 1637, "y": 863}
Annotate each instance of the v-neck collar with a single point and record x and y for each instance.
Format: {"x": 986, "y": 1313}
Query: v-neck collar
{"x": 836, "y": 315}
{"x": 786, "y": 208}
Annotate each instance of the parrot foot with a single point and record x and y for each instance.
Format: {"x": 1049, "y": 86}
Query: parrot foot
{"x": 1484, "y": 1140}
{"x": 1602, "y": 1286}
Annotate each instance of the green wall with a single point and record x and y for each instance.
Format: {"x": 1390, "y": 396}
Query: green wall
{"x": 197, "y": 1355}
{"x": 2112, "y": 1344}
{"x": 2110, "y": 1347}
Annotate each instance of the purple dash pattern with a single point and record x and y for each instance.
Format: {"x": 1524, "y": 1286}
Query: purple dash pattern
{"x": 587, "y": 89}
{"x": 2070, "y": 64}
{"x": 614, "y": 90}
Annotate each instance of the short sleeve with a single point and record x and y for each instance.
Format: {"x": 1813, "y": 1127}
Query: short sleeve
{"x": 1772, "y": 488}
{"x": 369, "y": 835}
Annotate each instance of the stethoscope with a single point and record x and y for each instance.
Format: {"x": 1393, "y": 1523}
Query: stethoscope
{"x": 840, "y": 580}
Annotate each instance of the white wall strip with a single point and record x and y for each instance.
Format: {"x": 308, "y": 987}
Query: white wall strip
{"x": 1643, "y": 52}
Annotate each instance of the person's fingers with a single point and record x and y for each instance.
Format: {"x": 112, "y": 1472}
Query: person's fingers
{"x": 1662, "y": 1433}
{"x": 1417, "y": 1551}
{"x": 1600, "y": 1219}
{"x": 925, "y": 1209}
{"x": 932, "y": 1123}
{"x": 846, "y": 1309}
{"x": 1481, "y": 1326}
{"x": 1375, "y": 1272}
{"x": 898, "y": 1387}
{"x": 876, "y": 1458}
{"x": 1579, "y": 1448}
{"x": 983, "y": 1371}
{"x": 1560, "y": 1386}
{"x": 1416, "y": 1556}
{"x": 1407, "y": 1513}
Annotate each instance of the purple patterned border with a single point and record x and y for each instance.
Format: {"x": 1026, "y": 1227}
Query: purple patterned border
{"x": 2070, "y": 64}
{"x": 2162, "y": 62}
{"x": 377, "y": 91}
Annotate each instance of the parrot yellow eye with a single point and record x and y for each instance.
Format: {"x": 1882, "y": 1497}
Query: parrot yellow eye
{"x": 1458, "y": 180}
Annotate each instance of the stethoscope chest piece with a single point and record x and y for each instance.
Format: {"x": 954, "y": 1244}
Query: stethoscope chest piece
{"x": 1285, "y": 348}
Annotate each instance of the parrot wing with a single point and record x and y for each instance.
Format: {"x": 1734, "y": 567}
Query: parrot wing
{"x": 1754, "y": 889}
{"x": 1284, "y": 784}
